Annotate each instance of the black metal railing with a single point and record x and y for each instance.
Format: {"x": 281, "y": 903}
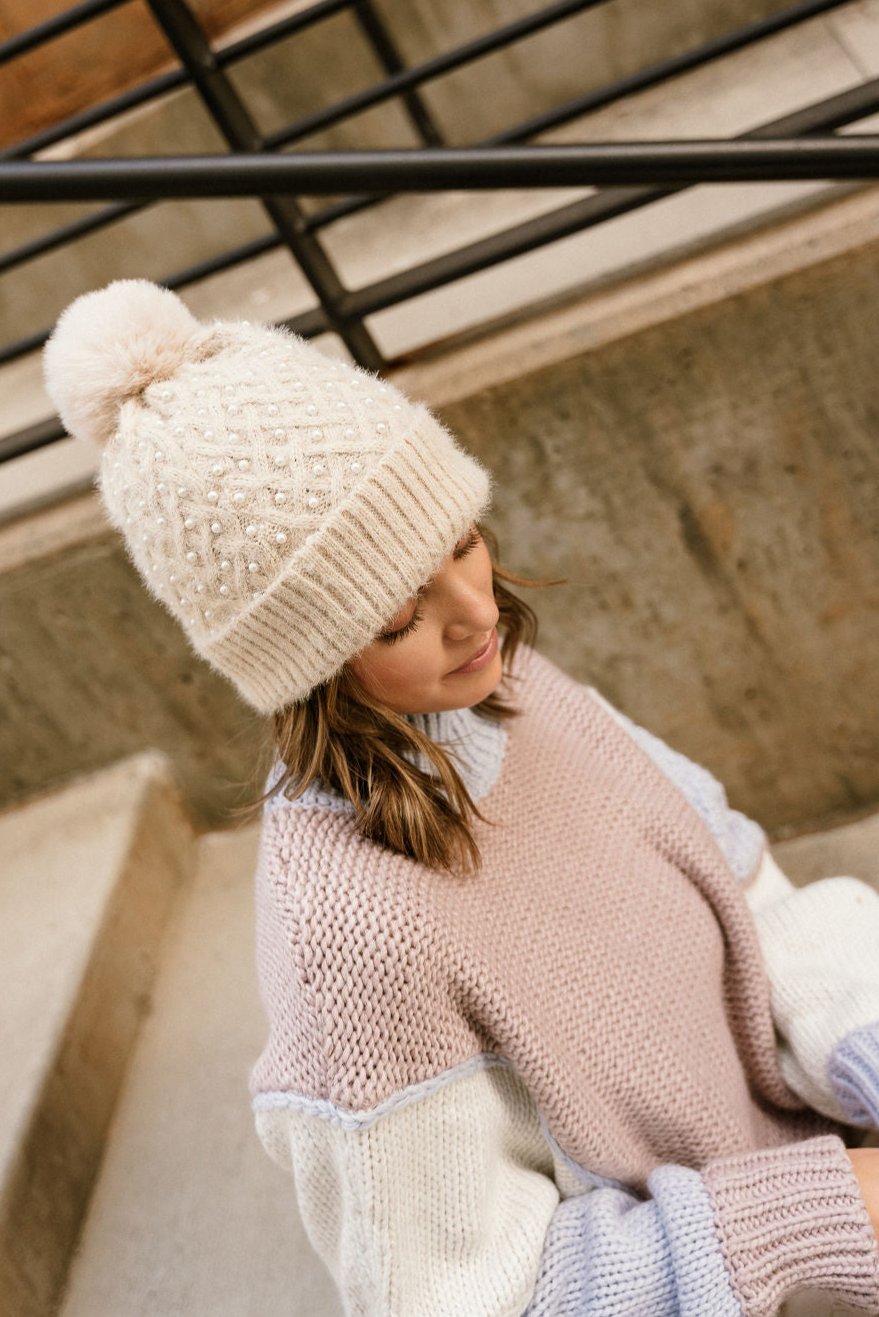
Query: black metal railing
{"x": 801, "y": 145}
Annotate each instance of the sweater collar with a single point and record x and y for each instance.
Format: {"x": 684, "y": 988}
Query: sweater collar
{"x": 475, "y": 744}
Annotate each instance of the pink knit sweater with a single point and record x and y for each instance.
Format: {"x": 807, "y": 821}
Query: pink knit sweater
{"x": 605, "y": 953}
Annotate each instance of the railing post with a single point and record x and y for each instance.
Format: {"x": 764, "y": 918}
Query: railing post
{"x": 233, "y": 119}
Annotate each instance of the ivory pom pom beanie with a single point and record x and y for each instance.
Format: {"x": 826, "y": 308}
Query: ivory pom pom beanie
{"x": 280, "y": 504}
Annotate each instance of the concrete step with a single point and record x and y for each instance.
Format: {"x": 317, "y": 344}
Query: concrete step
{"x": 86, "y": 882}
{"x": 189, "y": 1215}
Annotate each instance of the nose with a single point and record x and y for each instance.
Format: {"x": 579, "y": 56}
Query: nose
{"x": 472, "y": 612}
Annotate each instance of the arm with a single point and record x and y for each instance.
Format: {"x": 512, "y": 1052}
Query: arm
{"x": 444, "y": 1201}
{"x": 820, "y": 945}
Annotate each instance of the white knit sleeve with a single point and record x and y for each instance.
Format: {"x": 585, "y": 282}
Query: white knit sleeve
{"x": 436, "y": 1205}
{"x": 820, "y": 946}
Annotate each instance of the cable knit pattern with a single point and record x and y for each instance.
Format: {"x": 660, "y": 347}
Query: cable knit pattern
{"x": 853, "y": 1072}
{"x": 790, "y": 1219}
{"x": 282, "y": 505}
{"x": 608, "y": 988}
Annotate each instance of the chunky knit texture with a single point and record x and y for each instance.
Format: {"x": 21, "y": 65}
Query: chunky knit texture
{"x": 510, "y": 1090}
{"x": 280, "y": 504}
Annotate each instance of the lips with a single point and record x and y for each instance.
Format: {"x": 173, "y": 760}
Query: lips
{"x": 478, "y": 655}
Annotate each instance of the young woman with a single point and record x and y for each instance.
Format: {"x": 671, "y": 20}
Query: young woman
{"x": 549, "y": 1029}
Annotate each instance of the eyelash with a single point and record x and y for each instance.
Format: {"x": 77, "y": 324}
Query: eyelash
{"x": 390, "y": 636}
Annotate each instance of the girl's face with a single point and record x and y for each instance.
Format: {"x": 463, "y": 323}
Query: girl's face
{"x": 440, "y": 651}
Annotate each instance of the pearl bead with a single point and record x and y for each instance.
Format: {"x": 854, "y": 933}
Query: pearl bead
{"x": 253, "y": 566}
{"x": 181, "y": 491}
{"x": 208, "y": 434}
{"x": 315, "y": 434}
{"x": 280, "y": 538}
{"x": 313, "y": 501}
{"x": 218, "y": 468}
{"x": 355, "y": 467}
{"x": 160, "y": 521}
{"x": 244, "y": 464}
{"x": 381, "y": 427}
{"x": 228, "y": 388}
{"x": 238, "y": 497}
{"x": 311, "y": 409}
{"x": 159, "y": 456}
{"x": 280, "y": 498}
{"x": 161, "y": 486}
{"x": 216, "y": 527}
{"x": 225, "y": 565}
{"x": 224, "y": 589}
{"x": 233, "y": 436}
{"x": 166, "y": 394}
{"x": 191, "y": 556}
{"x": 233, "y": 409}
{"x": 212, "y": 496}
{"x": 348, "y": 432}
{"x": 280, "y": 434}
{"x": 341, "y": 405}
{"x": 189, "y": 522}
{"x": 208, "y": 612}
{"x": 396, "y": 407}
{"x": 367, "y": 400}
{"x": 179, "y": 431}
{"x": 201, "y": 411}
{"x": 199, "y": 589}
{"x": 272, "y": 409}
{"x": 249, "y": 530}
{"x": 318, "y": 468}
{"x": 281, "y": 459}
{"x": 297, "y": 384}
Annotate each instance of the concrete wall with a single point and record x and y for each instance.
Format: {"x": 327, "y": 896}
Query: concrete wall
{"x": 706, "y": 478}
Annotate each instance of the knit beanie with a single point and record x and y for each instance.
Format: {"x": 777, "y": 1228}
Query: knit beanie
{"x": 282, "y": 505}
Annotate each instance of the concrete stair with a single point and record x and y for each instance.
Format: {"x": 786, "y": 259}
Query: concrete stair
{"x": 87, "y": 878}
{"x": 189, "y": 1215}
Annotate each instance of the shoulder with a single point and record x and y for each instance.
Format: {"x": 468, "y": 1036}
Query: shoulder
{"x": 741, "y": 839}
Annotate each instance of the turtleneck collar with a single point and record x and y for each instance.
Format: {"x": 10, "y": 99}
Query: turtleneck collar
{"x": 475, "y": 744}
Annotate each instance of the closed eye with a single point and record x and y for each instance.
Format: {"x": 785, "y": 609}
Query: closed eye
{"x": 390, "y": 636}
{"x": 461, "y": 550}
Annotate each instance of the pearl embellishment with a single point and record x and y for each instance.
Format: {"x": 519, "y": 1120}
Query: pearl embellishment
{"x": 216, "y": 527}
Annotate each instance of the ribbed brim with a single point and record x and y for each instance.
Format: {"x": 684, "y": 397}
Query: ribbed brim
{"x": 347, "y": 581}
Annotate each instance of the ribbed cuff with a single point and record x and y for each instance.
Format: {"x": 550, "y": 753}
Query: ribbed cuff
{"x": 853, "y": 1072}
{"x": 793, "y": 1218}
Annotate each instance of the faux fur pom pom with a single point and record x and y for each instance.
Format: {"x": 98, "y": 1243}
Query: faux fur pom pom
{"x": 107, "y": 347}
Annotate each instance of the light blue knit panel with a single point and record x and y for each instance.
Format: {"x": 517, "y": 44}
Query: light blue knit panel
{"x": 609, "y": 1254}
{"x": 740, "y": 838}
{"x": 854, "y": 1075}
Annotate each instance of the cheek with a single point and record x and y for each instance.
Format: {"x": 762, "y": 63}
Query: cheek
{"x": 389, "y": 668}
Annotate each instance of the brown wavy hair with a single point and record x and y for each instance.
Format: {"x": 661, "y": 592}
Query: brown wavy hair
{"x": 344, "y": 739}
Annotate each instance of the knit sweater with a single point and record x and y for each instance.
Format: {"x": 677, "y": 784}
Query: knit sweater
{"x": 603, "y": 1075}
